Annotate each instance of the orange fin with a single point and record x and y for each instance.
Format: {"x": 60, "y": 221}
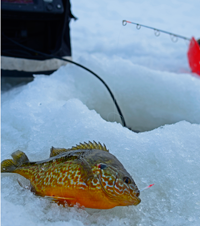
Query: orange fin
{"x": 62, "y": 200}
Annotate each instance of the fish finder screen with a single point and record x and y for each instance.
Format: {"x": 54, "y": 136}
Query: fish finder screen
{"x": 18, "y": 1}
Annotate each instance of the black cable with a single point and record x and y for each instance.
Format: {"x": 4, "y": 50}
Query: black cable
{"x": 77, "y": 64}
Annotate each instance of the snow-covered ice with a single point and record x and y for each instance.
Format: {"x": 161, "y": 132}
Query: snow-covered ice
{"x": 157, "y": 94}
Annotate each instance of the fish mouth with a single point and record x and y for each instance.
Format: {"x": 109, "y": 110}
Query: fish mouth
{"x": 137, "y": 193}
{"x": 135, "y": 197}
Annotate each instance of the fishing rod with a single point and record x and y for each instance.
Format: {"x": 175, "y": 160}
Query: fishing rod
{"x": 174, "y": 37}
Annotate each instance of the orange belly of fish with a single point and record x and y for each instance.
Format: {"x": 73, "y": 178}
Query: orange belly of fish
{"x": 87, "y": 199}
{"x": 73, "y": 195}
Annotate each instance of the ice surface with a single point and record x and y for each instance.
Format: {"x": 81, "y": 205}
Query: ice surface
{"x": 70, "y": 106}
{"x": 147, "y": 98}
{"x": 167, "y": 156}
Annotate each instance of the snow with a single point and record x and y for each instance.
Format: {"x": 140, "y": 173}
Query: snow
{"x": 157, "y": 94}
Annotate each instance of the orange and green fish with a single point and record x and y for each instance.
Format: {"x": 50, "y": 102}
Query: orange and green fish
{"x": 86, "y": 174}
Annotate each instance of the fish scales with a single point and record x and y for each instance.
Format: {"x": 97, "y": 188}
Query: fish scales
{"x": 53, "y": 174}
{"x": 86, "y": 174}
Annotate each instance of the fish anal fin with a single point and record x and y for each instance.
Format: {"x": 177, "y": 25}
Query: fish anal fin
{"x": 90, "y": 145}
{"x": 57, "y": 151}
{"x": 19, "y": 158}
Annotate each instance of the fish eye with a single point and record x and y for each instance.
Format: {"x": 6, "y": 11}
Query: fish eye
{"x": 127, "y": 180}
{"x": 102, "y": 166}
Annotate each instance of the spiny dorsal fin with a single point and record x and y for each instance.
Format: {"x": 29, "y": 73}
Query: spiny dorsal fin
{"x": 19, "y": 158}
{"x": 90, "y": 145}
{"x": 57, "y": 151}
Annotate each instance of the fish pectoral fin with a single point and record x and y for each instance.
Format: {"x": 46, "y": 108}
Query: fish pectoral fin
{"x": 57, "y": 197}
{"x": 62, "y": 200}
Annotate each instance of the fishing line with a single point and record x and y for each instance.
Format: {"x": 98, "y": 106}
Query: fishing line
{"x": 77, "y": 64}
{"x": 146, "y": 187}
{"x": 174, "y": 37}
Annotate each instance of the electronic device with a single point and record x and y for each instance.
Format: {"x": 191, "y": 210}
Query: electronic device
{"x": 32, "y": 26}
{"x": 44, "y": 6}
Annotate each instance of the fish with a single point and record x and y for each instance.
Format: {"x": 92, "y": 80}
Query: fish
{"x": 87, "y": 175}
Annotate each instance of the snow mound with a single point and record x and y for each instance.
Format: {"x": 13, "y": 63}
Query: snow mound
{"x": 47, "y": 112}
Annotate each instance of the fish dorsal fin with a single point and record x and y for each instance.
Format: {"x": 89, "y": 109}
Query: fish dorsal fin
{"x": 90, "y": 145}
{"x": 57, "y": 151}
{"x": 19, "y": 158}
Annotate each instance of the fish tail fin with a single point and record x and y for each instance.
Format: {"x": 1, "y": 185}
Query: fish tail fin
{"x": 19, "y": 158}
{"x": 10, "y": 165}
